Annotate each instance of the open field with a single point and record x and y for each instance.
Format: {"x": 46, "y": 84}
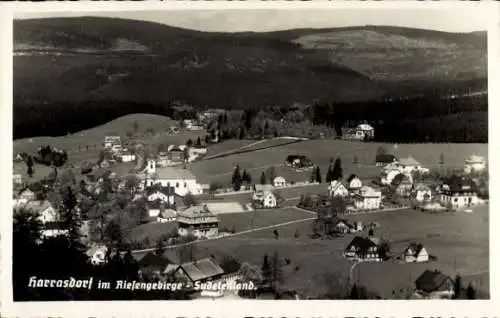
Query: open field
{"x": 94, "y": 136}
{"x": 322, "y": 150}
{"x": 152, "y": 231}
{"x": 260, "y": 218}
{"x": 227, "y": 146}
{"x": 459, "y": 238}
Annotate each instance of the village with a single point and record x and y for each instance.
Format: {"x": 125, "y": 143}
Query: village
{"x": 156, "y": 203}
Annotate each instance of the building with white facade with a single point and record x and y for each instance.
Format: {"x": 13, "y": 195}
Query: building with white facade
{"x": 112, "y": 142}
{"x": 182, "y": 180}
{"x": 415, "y": 252}
{"x": 474, "y": 164}
{"x": 337, "y": 189}
{"x": 279, "y": 182}
{"x": 368, "y": 199}
{"x": 458, "y": 192}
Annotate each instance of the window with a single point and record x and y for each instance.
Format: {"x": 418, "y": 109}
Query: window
{"x": 455, "y": 200}
{"x": 177, "y": 185}
{"x": 185, "y": 184}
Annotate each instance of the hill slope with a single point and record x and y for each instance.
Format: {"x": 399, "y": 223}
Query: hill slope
{"x": 101, "y": 60}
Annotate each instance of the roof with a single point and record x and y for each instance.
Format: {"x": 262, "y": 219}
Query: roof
{"x": 362, "y": 243}
{"x": 54, "y": 226}
{"x": 409, "y": 162}
{"x": 279, "y": 179}
{"x": 168, "y": 213}
{"x": 165, "y": 190}
{"x": 364, "y": 127}
{"x": 459, "y": 184}
{"x": 264, "y": 187}
{"x": 153, "y": 260}
{"x": 431, "y": 281}
{"x": 351, "y": 177}
{"x": 421, "y": 187}
{"x": 202, "y": 269}
{"x": 37, "y": 206}
{"x": 475, "y": 159}
{"x": 336, "y": 220}
{"x": 369, "y": 192}
{"x": 401, "y": 179}
{"x": 196, "y": 210}
{"x": 156, "y": 204}
{"x": 385, "y": 158}
{"x": 173, "y": 173}
{"x": 335, "y": 184}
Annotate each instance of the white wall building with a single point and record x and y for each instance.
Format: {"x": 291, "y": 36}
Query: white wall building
{"x": 415, "y": 253}
{"x": 182, "y": 180}
{"x": 474, "y": 164}
{"x": 279, "y": 182}
{"x": 459, "y": 193}
{"x": 337, "y": 189}
{"x": 368, "y": 199}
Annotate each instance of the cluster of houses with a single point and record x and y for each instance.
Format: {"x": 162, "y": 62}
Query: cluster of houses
{"x": 456, "y": 192}
{"x": 361, "y": 132}
{"x": 357, "y": 195}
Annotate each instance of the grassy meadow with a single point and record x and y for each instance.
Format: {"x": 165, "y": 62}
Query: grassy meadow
{"x": 320, "y": 151}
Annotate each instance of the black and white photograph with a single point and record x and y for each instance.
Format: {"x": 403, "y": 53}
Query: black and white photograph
{"x": 261, "y": 154}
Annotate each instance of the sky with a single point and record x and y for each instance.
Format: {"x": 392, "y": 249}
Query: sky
{"x": 449, "y": 20}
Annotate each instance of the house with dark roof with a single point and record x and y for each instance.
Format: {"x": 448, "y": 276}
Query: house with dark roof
{"x": 363, "y": 249}
{"x": 152, "y": 263}
{"x": 459, "y": 192}
{"x": 434, "y": 285}
{"x": 402, "y": 184}
{"x": 199, "y": 221}
{"x": 340, "y": 225}
{"x": 415, "y": 252}
{"x": 159, "y": 192}
{"x": 384, "y": 159}
{"x": 199, "y": 271}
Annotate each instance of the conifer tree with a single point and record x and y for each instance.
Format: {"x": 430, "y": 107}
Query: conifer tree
{"x": 318, "y": 175}
{"x": 337, "y": 170}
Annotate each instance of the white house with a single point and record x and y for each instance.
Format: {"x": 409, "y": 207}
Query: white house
{"x": 53, "y": 229}
{"x": 365, "y": 131}
{"x": 127, "y": 156}
{"x": 279, "y": 182}
{"x": 458, "y": 192}
{"x": 44, "y": 209}
{"x": 354, "y": 183}
{"x": 265, "y": 199}
{"x": 111, "y": 142}
{"x": 422, "y": 192}
{"x": 368, "y": 199}
{"x": 27, "y": 195}
{"x": 182, "y": 180}
{"x": 162, "y": 194}
{"x": 17, "y": 179}
{"x": 97, "y": 254}
{"x": 415, "y": 252}
{"x": 474, "y": 164}
{"x": 187, "y": 123}
{"x": 337, "y": 189}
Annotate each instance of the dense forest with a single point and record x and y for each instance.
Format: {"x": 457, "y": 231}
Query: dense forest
{"x": 426, "y": 118}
